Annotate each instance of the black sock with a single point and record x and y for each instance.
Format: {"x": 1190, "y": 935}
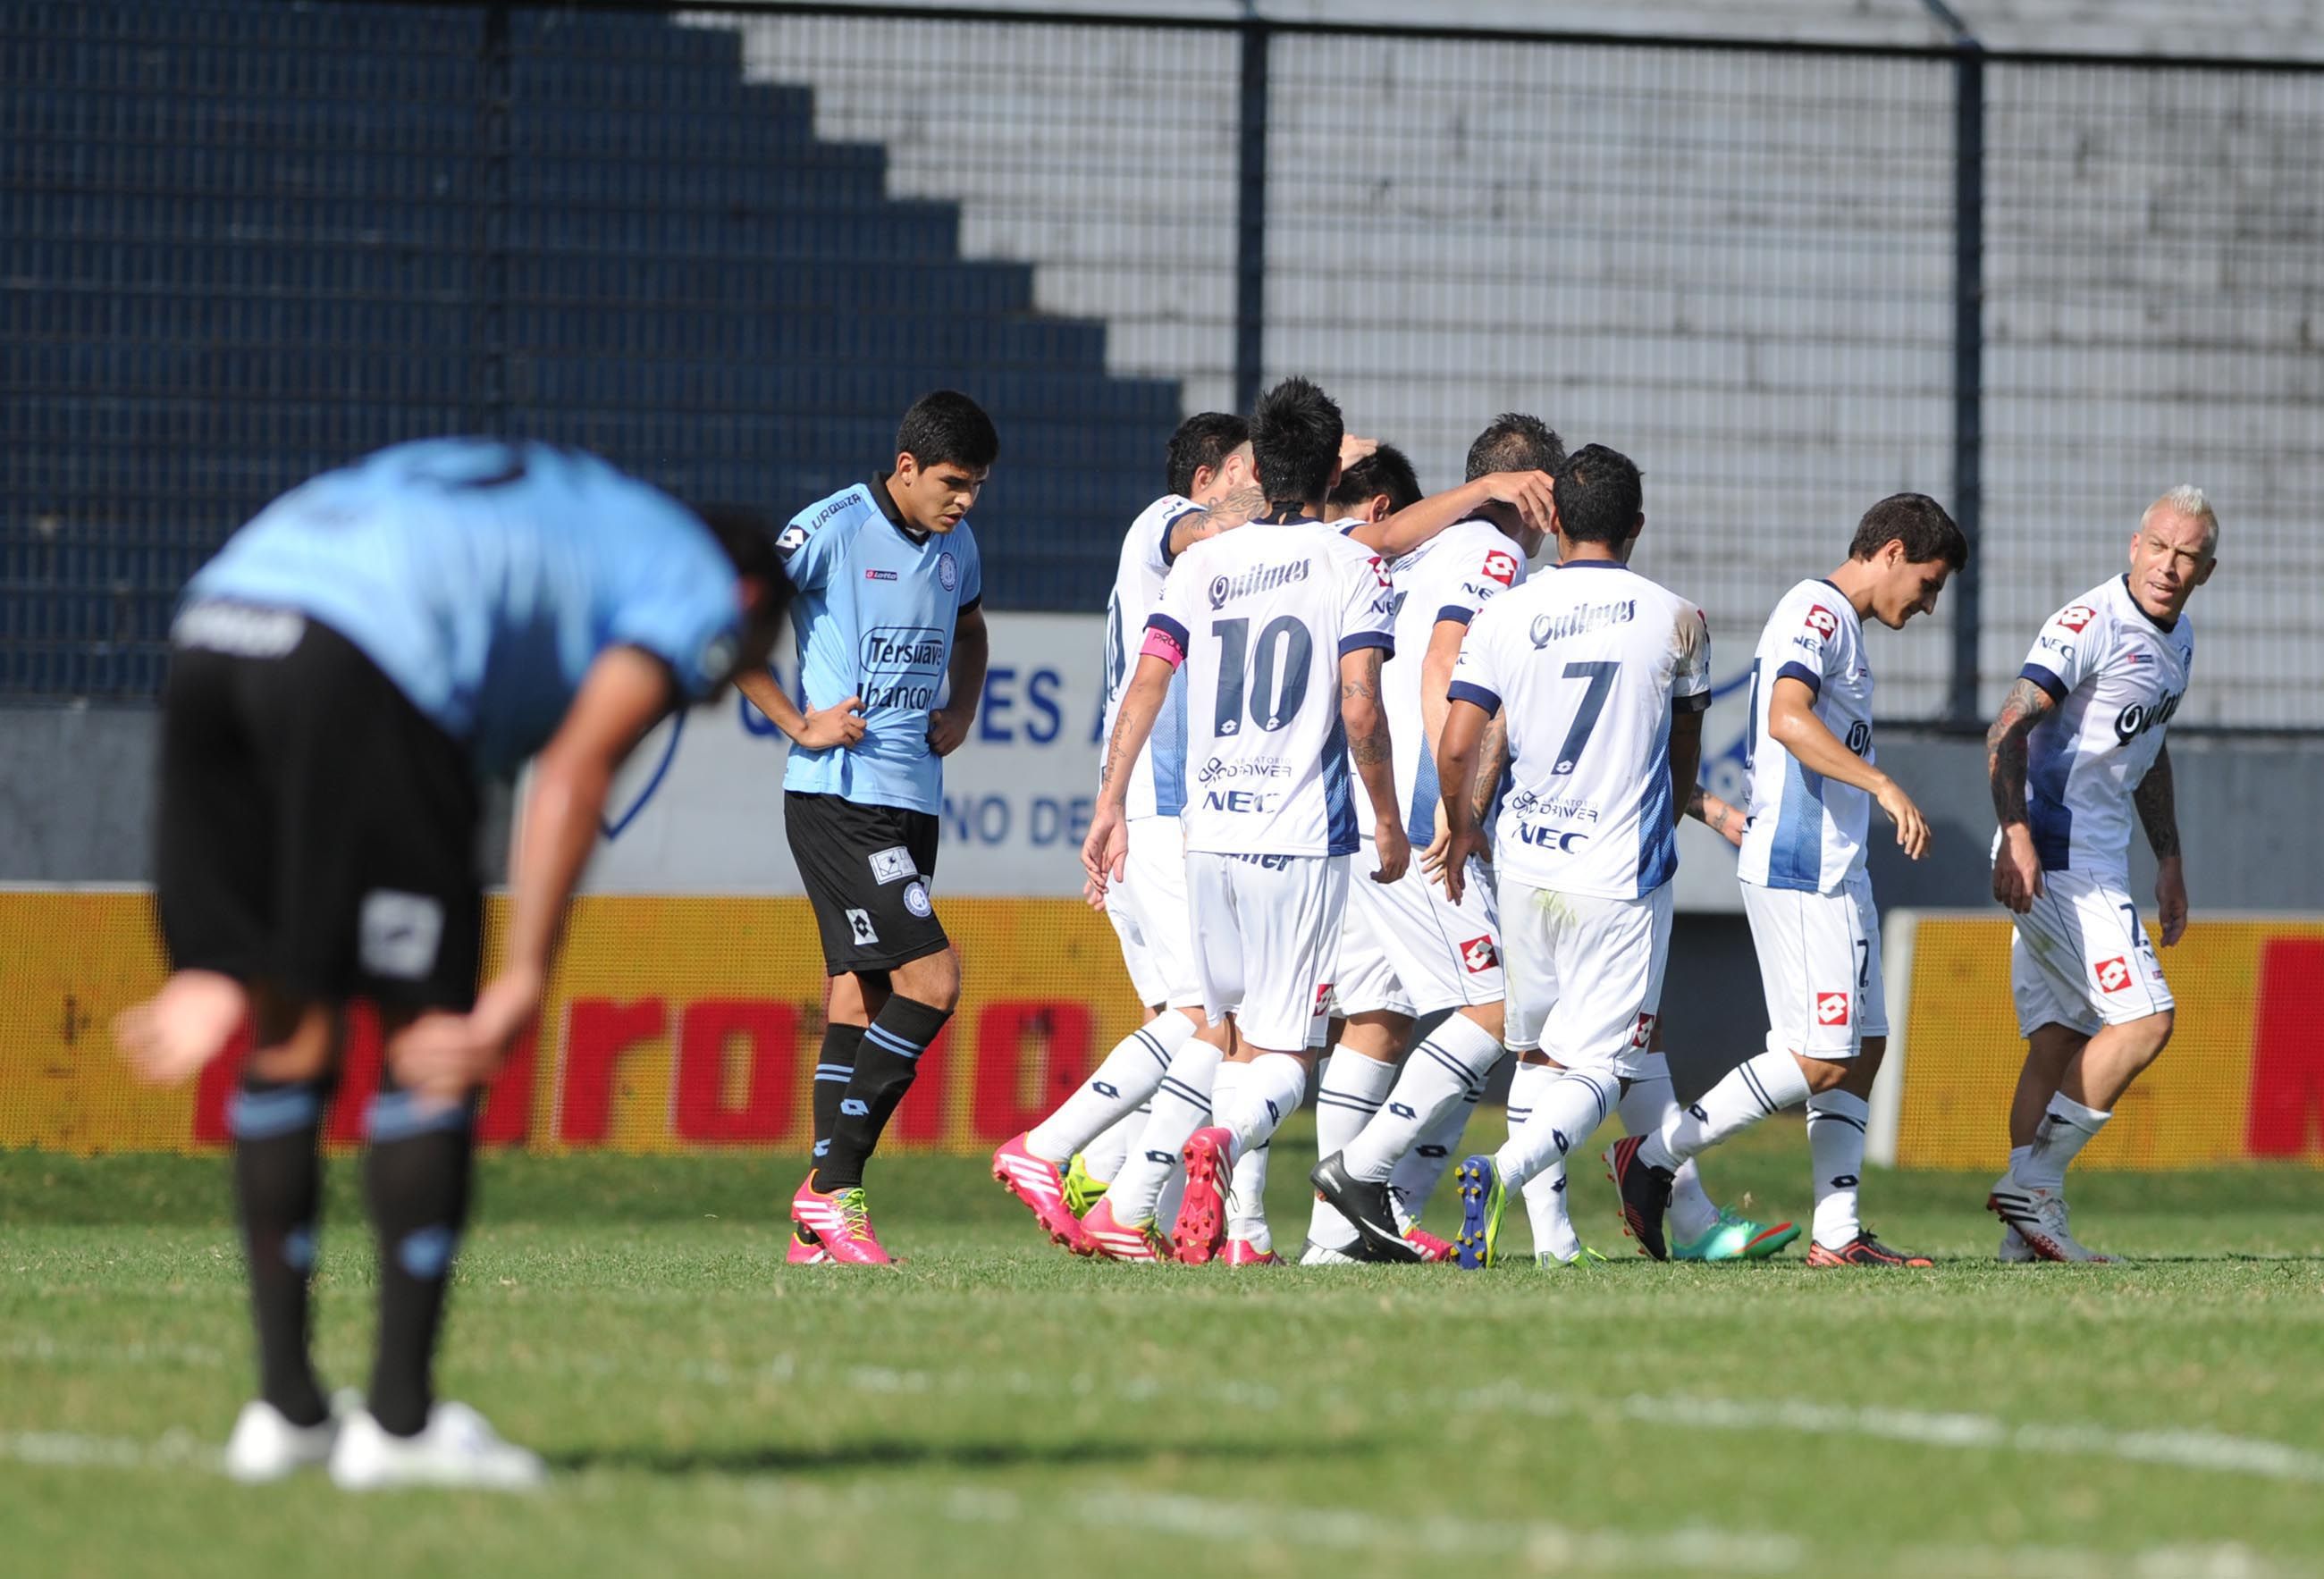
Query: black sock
{"x": 835, "y": 1066}
{"x": 277, "y": 1182}
{"x": 416, "y": 1182}
{"x": 884, "y": 1066}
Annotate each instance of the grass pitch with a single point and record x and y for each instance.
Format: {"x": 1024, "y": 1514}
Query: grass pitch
{"x": 996, "y": 1407}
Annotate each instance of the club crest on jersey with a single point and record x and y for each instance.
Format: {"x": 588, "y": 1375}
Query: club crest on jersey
{"x": 1479, "y": 955}
{"x": 1823, "y": 621}
{"x": 1831, "y": 1008}
{"x": 915, "y": 899}
{"x": 2076, "y": 617}
{"x": 2114, "y": 974}
{"x": 948, "y": 572}
{"x": 1500, "y": 565}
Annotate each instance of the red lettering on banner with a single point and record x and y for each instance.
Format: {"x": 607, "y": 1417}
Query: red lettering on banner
{"x": 1006, "y": 1035}
{"x": 359, "y": 1065}
{"x": 597, "y": 1032}
{"x": 701, "y": 1110}
{"x": 506, "y": 1117}
{"x": 216, "y": 1087}
{"x": 2287, "y": 1081}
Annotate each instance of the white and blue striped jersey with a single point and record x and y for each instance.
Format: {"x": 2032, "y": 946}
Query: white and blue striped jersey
{"x": 1589, "y": 661}
{"x": 483, "y": 578}
{"x": 2116, "y": 677}
{"x": 874, "y": 618}
{"x": 1449, "y": 577}
{"x": 1262, "y": 615}
{"x": 1157, "y": 788}
{"x": 1806, "y": 832}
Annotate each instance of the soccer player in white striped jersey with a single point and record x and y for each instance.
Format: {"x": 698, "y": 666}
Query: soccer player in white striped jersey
{"x": 1604, "y": 676}
{"x": 1281, "y": 628}
{"x": 2077, "y": 746}
{"x": 1211, "y": 488}
{"x": 1805, "y": 892}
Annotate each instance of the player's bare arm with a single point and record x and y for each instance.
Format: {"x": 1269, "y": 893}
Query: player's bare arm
{"x": 1366, "y": 722}
{"x": 840, "y": 724}
{"x": 972, "y": 647}
{"x": 1460, "y": 831}
{"x": 2156, "y": 799}
{"x": 1793, "y": 724}
{"x": 1492, "y": 766}
{"x": 2016, "y": 870}
{"x": 1685, "y": 757}
{"x": 625, "y": 693}
{"x": 1239, "y": 507}
{"x": 1529, "y": 492}
{"x": 1721, "y": 818}
{"x": 1107, "y": 848}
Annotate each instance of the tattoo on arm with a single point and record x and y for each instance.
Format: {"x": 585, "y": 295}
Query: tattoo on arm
{"x": 1493, "y": 761}
{"x": 2006, "y": 747}
{"x": 2156, "y": 798}
{"x": 1238, "y": 508}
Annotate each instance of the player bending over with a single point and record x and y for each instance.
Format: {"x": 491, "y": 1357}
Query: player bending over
{"x": 1282, "y": 627}
{"x": 1805, "y": 891}
{"x": 1212, "y": 488}
{"x": 887, "y": 621}
{"x": 2077, "y": 745}
{"x": 342, "y": 674}
{"x": 1604, "y": 675}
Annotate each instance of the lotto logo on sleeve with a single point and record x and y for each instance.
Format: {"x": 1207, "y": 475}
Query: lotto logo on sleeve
{"x": 1501, "y": 566}
{"x": 2114, "y": 974}
{"x": 1831, "y": 1008}
{"x": 1823, "y": 621}
{"x": 2076, "y": 617}
{"x": 1478, "y": 955}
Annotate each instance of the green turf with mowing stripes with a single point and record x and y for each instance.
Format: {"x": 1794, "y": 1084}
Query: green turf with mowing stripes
{"x": 997, "y": 1408}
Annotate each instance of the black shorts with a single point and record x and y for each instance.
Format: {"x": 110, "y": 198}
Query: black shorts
{"x": 866, "y": 871}
{"x": 318, "y": 831}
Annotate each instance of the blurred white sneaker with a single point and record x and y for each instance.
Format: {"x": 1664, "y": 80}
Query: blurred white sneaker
{"x": 266, "y": 1446}
{"x": 2013, "y": 1251}
{"x": 2039, "y": 1216}
{"x": 1313, "y": 1254}
{"x": 455, "y": 1448}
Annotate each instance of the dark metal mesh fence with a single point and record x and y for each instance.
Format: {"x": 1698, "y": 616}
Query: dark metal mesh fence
{"x": 248, "y": 241}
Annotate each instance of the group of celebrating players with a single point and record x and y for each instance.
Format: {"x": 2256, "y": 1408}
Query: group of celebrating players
{"x": 1364, "y": 777}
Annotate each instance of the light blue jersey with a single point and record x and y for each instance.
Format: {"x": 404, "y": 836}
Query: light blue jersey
{"x": 874, "y": 619}
{"x": 483, "y": 578}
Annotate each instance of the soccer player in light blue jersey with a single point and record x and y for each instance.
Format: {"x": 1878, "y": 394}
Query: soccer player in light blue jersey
{"x": 891, "y": 651}
{"x": 342, "y": 674}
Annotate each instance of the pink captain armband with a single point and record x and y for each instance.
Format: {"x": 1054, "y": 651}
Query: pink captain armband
{"x": 1159, "y": 643}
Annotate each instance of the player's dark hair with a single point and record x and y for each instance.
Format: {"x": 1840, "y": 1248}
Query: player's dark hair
{"x": 1598, "y": 495}
{"x": 1387, "y": 469}
{"x": 945, "y": 425}
{"x": 1202, "y": 443}
{"x": 1295, "y": 442}
{"x": 748, "y": 535}
{"x": 1516, "y": 442}
{"x": 1916, "y": 520}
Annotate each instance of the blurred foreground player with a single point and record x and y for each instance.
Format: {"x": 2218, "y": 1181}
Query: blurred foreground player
{"x": 2077, "y": 747}
{"x": 343, "y": 673}
{"x": 892, "y": 652}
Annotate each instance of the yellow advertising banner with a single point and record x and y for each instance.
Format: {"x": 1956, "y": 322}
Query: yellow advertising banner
{"x": 672, "y": 1024}
{"x": 2242, "y": 1078}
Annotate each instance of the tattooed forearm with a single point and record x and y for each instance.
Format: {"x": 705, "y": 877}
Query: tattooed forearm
{"x": 2006, "y": 748}
{"x": 2156, "y": 798}
{"x": 1492, "y": 762}
{"x": 1370, "y": 749}
{"x": 1241, "y": 507}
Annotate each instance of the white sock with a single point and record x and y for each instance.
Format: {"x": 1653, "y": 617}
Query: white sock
{"x": 1246, "y": 1198}
{"x": 1127, "y": 1077}
{"x": 1423, "y": 1167}
{"x": 1102, "y": 1158}
{"x": 1692, "y": 1213}
{"x": 1174, "y": 1192}
{"x": 1270, "y": 1090}
{"x": 1643, "y": 1108}
{"x": 1226, "y": 1091}
{"x": 1836, "y": 1121}
{"x": 2064, "y": 1130}
{"x": 1349, "y": 1090}
{"x": 1767, "y": 1083}
{"x": 1544, "y": 1192}
{"x": 1439, "y": 1073}
{"x": 1181, "y": 1104}
{"x": 2018, "y": 1155}
{"x": 1565, "y": 1112}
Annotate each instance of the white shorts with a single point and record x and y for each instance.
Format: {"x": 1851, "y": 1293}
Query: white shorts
{"x": 1149, "y": 911}
{"x": 1819, "y": 967}
{"x": 1407, "y": 949}
{"x": 1267, "y": 939}
{"x": 2081, "y": 959}
{"x": 1585, "y": 975}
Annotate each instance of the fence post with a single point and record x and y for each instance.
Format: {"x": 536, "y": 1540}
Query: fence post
{"x": 488, "y": 399}
{"x": 1250, "y": 226}
{"x": 1968, "y": 360}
